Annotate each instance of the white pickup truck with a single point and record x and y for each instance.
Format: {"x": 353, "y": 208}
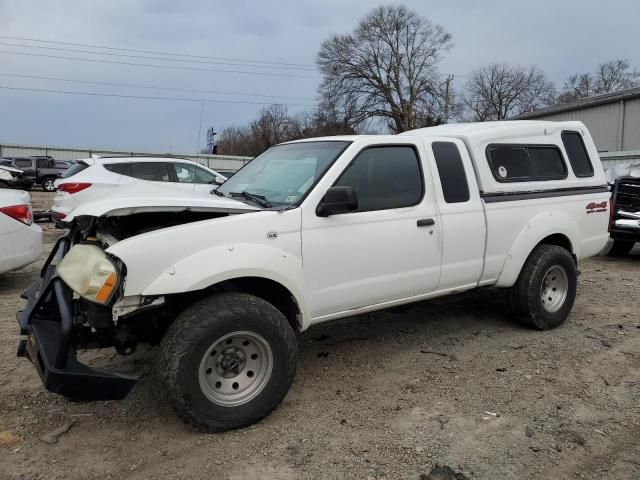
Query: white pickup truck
{"x": 308, "y": 232}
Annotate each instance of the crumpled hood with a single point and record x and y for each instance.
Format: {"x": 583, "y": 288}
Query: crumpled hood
{"x": 138, "y": 198}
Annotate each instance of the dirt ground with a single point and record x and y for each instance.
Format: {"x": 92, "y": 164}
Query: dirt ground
{"x": 390, "y": 395}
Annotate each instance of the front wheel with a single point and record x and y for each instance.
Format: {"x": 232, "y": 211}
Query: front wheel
{"x": 546, "y": 288}
{"x": 48, "y": 184}
{"x": 227, "y": 361}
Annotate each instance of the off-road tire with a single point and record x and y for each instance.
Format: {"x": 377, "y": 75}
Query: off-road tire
{"x": 195, "y": 330}
{"x": 620, "y": 248}
{"x": 526, "y": 295}
{"x": 48, "y": 184}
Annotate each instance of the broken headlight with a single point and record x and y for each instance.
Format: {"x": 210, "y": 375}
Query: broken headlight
{"x": 89, "y": 272}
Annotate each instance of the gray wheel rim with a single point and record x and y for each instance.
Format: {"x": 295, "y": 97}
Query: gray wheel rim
{"x": 49, "y": 185}
{"x": 555, "y": 286}
{"x": 235, "y": 368}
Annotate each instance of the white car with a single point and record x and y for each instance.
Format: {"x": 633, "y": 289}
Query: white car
{"x": 20, "y": 238}
{"x": 92, "y": 177}
{"x": 307, "y": 232}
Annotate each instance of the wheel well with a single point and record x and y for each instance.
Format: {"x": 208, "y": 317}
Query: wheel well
{"x": 269, "y": 290}
{"x": 559, "y": 240}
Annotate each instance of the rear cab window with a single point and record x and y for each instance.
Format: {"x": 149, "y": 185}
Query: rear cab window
{"x": 45, "y": 163}
{"x": 453, "y": 179}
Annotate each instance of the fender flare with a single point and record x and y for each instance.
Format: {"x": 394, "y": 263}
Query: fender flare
{"x": 533, "y": 233}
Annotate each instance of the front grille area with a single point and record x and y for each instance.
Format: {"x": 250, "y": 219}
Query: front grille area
{"x": 628, "y": 195}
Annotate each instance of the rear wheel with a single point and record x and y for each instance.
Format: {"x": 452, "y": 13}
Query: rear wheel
{"x": 620, "y": 248}
{"x": 227, "y": 361}
{"x": 546, "y": 288}
{"x": 48, "y": 184}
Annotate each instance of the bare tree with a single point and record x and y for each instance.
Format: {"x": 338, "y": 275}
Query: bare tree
{"x": 577, "y": 86}
{"x": 386, "y": 69}
{"x": 499, "y": 91}
{"x": 609, "y": 77}
{"x": 274, "y": 125}
{"x": 236, "y": 141}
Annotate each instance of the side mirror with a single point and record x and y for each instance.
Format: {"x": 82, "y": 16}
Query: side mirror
{"x": 338, "y": 200}
{"x": 219, "y": 180}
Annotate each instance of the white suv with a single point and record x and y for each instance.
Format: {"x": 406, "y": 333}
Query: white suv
{"x": 95, "y": 176}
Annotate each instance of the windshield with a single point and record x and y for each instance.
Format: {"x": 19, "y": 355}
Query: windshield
{"x": 284, "y": 173}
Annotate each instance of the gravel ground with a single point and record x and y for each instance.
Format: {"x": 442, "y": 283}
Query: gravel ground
{"x": 389, "y": 395}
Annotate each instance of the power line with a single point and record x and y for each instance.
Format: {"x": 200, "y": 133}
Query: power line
{"x": 153, "y": 65}
{"x": 146, "y": 57}
{"x": 151, "y": 87}
{"x": 155, "y": 52}
{"x": 116, "y": 95}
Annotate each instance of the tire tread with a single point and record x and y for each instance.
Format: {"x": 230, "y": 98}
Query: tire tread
{"x": 191, "y": 325}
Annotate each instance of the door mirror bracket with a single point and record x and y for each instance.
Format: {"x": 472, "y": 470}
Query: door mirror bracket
{"x": 338, "y": 200}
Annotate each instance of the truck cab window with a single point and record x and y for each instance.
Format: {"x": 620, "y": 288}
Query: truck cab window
{"x": 577, "y": 153}
{"x": 23, "y": 163}
{"x": 384, "y": 178}
{"x": 453, "y": 179}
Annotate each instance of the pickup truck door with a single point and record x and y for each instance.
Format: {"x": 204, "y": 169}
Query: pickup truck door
{"x": 390, "y": 248}
{"x": 462, "y": 218}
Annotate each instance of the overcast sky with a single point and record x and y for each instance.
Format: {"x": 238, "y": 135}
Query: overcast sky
{"x": 560, "y": 36}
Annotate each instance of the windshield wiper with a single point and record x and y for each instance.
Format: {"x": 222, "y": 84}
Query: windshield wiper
{"x": 259, "y": 199}
{"x": 216, "y": 192}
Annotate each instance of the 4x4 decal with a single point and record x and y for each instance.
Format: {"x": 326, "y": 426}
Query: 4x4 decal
{"x": 594, "y": 207}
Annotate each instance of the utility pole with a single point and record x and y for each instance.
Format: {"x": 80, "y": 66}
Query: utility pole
{"x": 200, "y": 128}
{"x": 211, "y": 141}
{"x": 447, "y": 84}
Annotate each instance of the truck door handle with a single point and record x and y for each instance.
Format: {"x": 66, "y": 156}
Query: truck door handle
{"x": 426, "y": 222}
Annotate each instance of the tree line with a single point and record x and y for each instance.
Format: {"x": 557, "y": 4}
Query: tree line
{"x": 385, "y": 75}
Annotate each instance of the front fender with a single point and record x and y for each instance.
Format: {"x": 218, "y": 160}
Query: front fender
{"x": 196, "y": 255}
{"x": 533, "y": 232}
{"x": 222, "y": 263}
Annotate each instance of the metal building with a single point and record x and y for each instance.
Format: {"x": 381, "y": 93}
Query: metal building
{"x": 613, "y": 120}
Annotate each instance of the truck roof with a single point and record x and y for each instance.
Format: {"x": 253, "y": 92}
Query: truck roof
{"x": 498, "y": 130}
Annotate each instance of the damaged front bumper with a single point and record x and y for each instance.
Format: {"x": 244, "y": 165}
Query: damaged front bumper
{"x": 47, "y": 322}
